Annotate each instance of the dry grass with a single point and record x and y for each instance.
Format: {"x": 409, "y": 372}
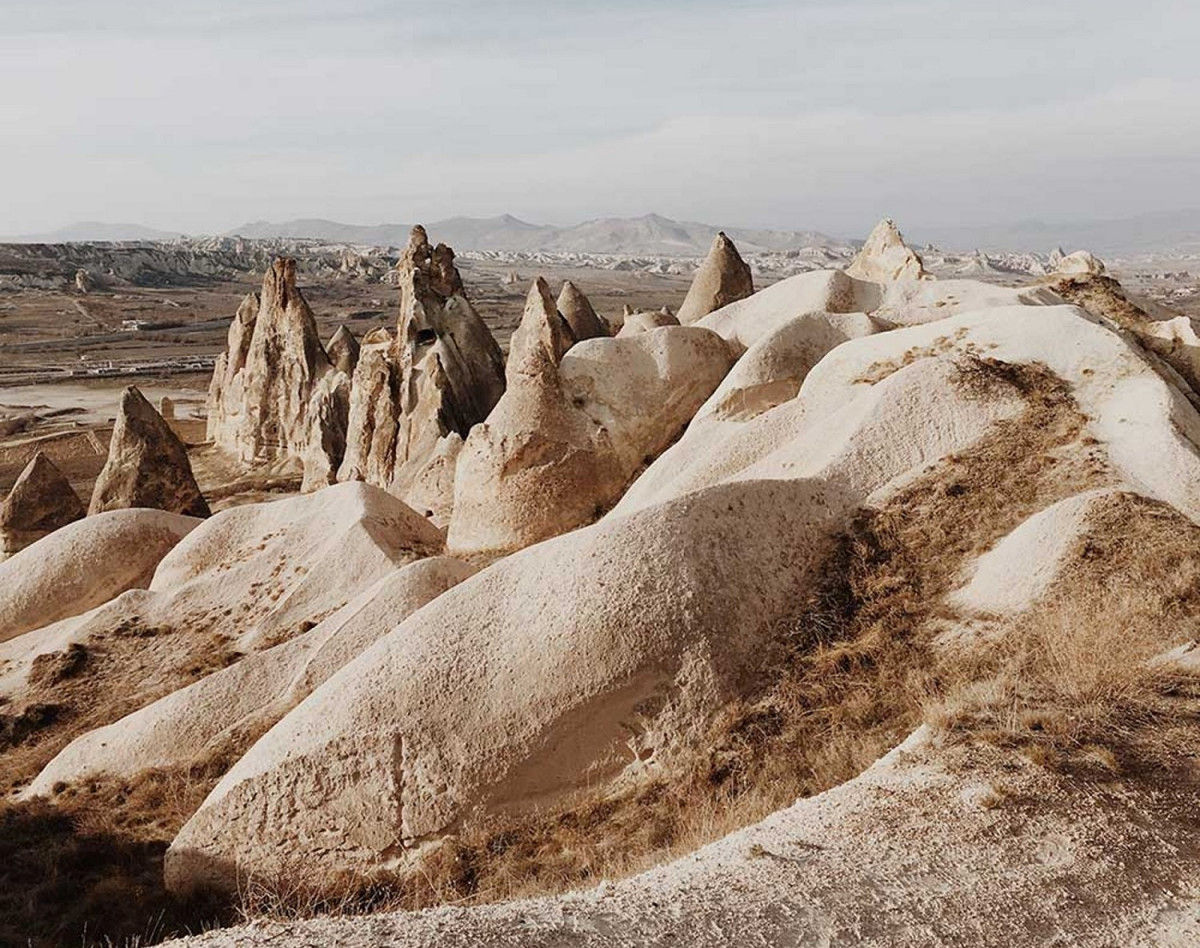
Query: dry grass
{"x": 1071, "y": 682}
{"x": 87, "y": 869}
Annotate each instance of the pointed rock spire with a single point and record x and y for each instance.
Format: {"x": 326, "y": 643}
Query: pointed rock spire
{"x": 542, "y": 327}
{"x": 147, "y": 464}
{"x": 723, "y": 278}
{"x": 284, "y": 362}
{"x": 577, "y": 310}
{"x": 343, "y": 350}
{"x": 442, "y": 374}
{"x": 41, "y": 501}
{"x": 886, "y": 258}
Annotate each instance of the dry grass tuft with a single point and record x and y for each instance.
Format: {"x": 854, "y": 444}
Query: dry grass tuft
{"x": 86, "y": 869}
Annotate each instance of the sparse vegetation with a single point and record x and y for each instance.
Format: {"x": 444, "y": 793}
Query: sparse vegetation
{"x": 86, "y": 868}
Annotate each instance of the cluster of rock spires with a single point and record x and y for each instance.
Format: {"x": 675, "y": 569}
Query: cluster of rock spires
{"x": 398, "y": 411}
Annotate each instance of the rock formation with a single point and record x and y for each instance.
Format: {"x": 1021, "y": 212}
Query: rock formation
{"x": 535, "y": 467}
{"x": 343, "y": 350}
{"x": 661, "y": 611}
{"x": 542, "y": 326}
{"x": 885, "y": 257}
{"x": 723, "y": 278}
{"x": 1079, "y": 263}
{"x": 147, "y": 464}
{"x": 275, "y": 395}
{"x": 41, "y": 501}
{"x": 327, "y": 417}
{"x": 566, "y": 438}
{"x": 577, "y": 310}
{"x": 84, "y": 565}
{"x": 225, "y": 405}
{"x": 284, "y": 363}
{"x": 642, "y": 322}
{"x": 416, "y": 396}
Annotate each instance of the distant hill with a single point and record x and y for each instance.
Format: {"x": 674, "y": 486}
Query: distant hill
{"x": 651, "y": 234}
{"x": 97, "y": 231}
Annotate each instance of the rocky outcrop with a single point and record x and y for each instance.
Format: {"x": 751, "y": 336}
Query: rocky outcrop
{"x": 225, "y": 392}
{"x": 643, "y": 322}
{"x": 343, "y": 350}
{"x": 542, "y": 326}
{"x": 415, "y": 397}
{"x": 147, "y": 464}
{"x": 569, "y": 434}
{"x": 723, "y": 278}
{"x": 259, "y": 408}
{"x": 284, "y": 363}
{"x": 535, "y": 467}
{"x": 41, "y": 501}
{"x": 885, "y": 257}
{"x": 84, "y": 565}
{"x": 1079, "y": 263}
{"x": 577, "y": 310}
{"x": 328, "y": 413}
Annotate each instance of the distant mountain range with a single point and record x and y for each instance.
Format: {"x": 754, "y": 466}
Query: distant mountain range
{"x": 95, "y": 232}
{"x": 655, "y": 235}
{"x": 651, "y": 234}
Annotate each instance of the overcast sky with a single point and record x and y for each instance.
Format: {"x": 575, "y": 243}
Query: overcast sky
{"x": 199, "y": 115}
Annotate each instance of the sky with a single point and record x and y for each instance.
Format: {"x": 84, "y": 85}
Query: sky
{"x": 199, "y": 115}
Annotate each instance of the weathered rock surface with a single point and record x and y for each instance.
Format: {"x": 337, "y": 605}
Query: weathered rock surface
{"x": 258, "y": 402}
{"x": 226, "y": 391}
{"x": 811, "y": 873}
{"x": 342, "y": 350}
{"x": 224, "y": 712}
{"x": 85, "y": 564}
{"x": 659, "y": 609}
{"x": 645, "y": 321}
{"x": 542, "y": 325}
{"x": 414, "y": 396}
{"x": 577, "y": 310}
{"x": 41, "y": 501}
{"x": 147, "y": 464}
{"x": 885, "y": 257}
{"x": 723, "y": 278}
{"x": 328, "y": 415}
{"x": 289, "y": 563}
{"x": 745, "y": 322}
{"x": 1079, "y": 263}
{"x": 537, "y": 465}
{"x": 645, "y": 389}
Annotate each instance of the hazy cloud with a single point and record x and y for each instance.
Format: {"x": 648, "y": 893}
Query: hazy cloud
{"x": 200, "y": 115}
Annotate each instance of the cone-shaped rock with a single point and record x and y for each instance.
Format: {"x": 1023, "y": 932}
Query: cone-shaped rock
{"x": 225, "y": 390}
{"x": 542, "y": 326}
{"x": 147, "y": 464}
{"x": 283, "y": 365}
{"x": 263, "y": 383}
{"x": 343, "y": 350}
{"x": 41, "y": 501}
{"x": 885, "y": 257}
{"x": 723, "y": 278}
{"x": 577, "y": 310}
{"x": 535, "y": 467}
